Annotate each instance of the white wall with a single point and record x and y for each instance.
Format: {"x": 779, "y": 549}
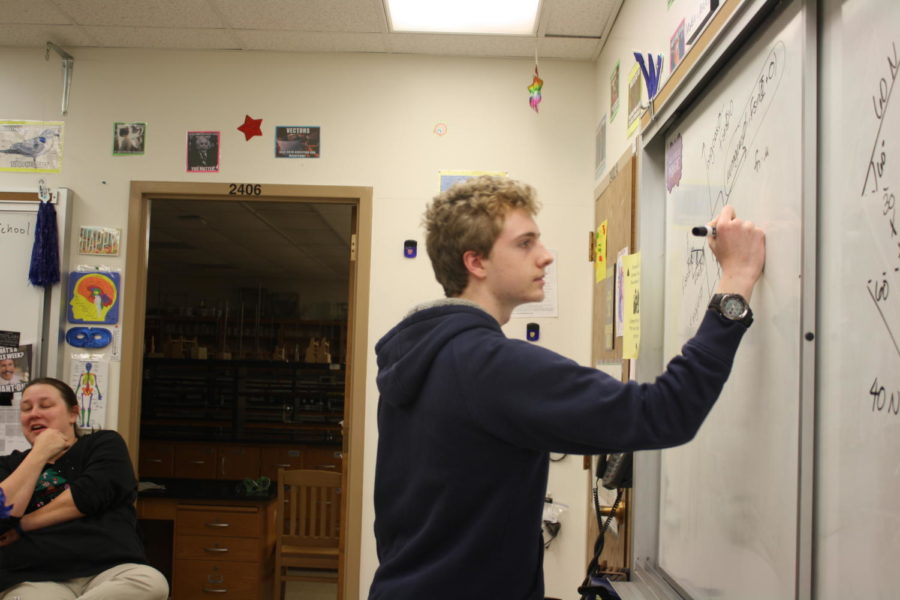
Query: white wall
{"x": 643, "y": 26}
{"x": 377, "y": 114}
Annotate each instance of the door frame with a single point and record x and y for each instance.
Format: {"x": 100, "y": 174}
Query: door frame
{"x": 137, "y": 240}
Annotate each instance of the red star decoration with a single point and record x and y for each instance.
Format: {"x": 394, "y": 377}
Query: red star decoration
{"x": 251, "y": 127}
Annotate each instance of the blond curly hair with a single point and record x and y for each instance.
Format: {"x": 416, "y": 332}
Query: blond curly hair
{"x": 469, "y": 216}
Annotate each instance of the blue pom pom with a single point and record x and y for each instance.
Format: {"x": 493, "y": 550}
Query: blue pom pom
{"x": 44, "y": 268}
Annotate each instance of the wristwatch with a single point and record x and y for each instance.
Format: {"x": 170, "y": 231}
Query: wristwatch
{"x": 733, "y": 307}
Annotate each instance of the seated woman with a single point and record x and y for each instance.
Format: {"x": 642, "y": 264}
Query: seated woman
{"x": 77, "y": 536}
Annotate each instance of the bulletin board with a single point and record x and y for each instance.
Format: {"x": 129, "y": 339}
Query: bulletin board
{"x": 614, "y": 210}
{"x": 614, "y": 205}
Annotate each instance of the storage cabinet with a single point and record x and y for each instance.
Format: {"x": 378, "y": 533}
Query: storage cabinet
{"x": 175, "y": 336}
{"x": 252, "y": 401}
{"x": 280, "y": 457}
{"x": 223, "y": 551}
{"x": 214, "y": 419}
{"x": 197, "y": 460}
{"x": 218, "y": 579}
{"x": 157, "y": 459}
{"x": 322, "y": 459}
{"x": 221, "y": 548}
{"x": 238, "y": 462}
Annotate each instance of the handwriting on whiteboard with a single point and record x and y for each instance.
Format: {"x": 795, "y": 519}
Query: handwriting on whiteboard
{"x": 728, "y": 148}
{"x": 884, "y": 401}
{"x": 15, "y": 229}
{"x": 764, "y": 88}
{"x": 880, "y": 101}
{"x": 880, "y": 205}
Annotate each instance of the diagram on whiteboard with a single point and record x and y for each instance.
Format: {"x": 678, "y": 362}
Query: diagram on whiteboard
{"x": 879, "y": 204}
{"x": 729, "y": 154}
{"x": 722, "y": 533}
{"x": 859, "y": 377}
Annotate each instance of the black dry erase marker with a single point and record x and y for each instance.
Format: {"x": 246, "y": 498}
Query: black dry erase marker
{"x": 704, "y": 231}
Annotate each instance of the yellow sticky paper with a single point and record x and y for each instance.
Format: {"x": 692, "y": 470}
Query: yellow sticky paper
{"x": 600, "y": 253}
{"x": 631, "y": 342}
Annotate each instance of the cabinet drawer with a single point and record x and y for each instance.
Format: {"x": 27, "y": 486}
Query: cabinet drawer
{"x": 217, "y": 547}
{"x": 162, "y": 509}
{"x": 238, "y": 462}
{"x": 224, "y": 521}
{"x": 322, "y": 459}
{"x": 195, "y": 461}
{"x": 156, "y": 459}
{"x": 215, "y": 579}
{"x": 280, "y": 457}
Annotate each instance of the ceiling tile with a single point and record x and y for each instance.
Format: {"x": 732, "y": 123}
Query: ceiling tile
{"x": 292, "y": 41}
{"x": 578, "y": 17}
{"x": 569, "y": 48}
{"x": 235, "y": 225}
{"x": 139, "y": 13}
{"x": 309, "y": 15}
{"x": 143, "y": 37}
{"x": 32, "y": 11}
{"x": 459, "y": 45}
{"x": 37, "y": 36}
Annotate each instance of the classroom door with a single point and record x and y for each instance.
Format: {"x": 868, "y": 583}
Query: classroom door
{"x": 335, "y": 203}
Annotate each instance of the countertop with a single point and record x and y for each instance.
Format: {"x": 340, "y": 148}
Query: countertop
{"x": 204, "y": 489}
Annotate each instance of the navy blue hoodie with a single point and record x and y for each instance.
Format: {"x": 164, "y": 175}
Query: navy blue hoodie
{"x": 466, "y": 420}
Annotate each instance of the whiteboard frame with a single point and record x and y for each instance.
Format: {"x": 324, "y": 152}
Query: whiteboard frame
{"x": 808, "y": 295}
{"x": 55, "y": 306}
{"x": 648, "y": 579}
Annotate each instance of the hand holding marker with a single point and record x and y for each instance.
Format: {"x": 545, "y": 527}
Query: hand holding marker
{"x": 727, "y": 218}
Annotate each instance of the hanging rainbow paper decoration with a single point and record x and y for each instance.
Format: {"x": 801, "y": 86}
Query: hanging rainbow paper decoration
{"x": 534, "y": 90}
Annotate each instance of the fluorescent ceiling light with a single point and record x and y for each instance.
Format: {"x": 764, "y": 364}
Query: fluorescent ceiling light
{"x": 503, "y": 17}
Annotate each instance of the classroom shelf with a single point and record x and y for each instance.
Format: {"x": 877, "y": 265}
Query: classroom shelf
{"x": 242, "y": 401}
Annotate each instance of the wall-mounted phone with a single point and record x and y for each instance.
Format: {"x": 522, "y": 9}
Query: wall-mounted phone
{"x": 615, "y": 470}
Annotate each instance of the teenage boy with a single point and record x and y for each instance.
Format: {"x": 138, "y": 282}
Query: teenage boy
{"x": 467, "y": 417}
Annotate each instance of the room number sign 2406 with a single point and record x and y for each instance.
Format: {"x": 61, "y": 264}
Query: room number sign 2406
{"x": 244, "y": 189}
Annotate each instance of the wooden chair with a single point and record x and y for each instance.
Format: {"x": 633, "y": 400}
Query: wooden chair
{"x": 307, "y": 526}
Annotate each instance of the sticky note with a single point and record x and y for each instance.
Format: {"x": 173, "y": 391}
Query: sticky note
{"x": 600, "y": 253}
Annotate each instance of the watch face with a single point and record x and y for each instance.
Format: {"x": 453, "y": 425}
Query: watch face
{"x": 734, "y": 308}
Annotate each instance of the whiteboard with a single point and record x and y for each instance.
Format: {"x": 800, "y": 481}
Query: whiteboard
{"x": 728, "y": 499}
{"x": 858, "y": 525}
{"x": 32, "y": 311}
{"x": 21, "y": 304}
